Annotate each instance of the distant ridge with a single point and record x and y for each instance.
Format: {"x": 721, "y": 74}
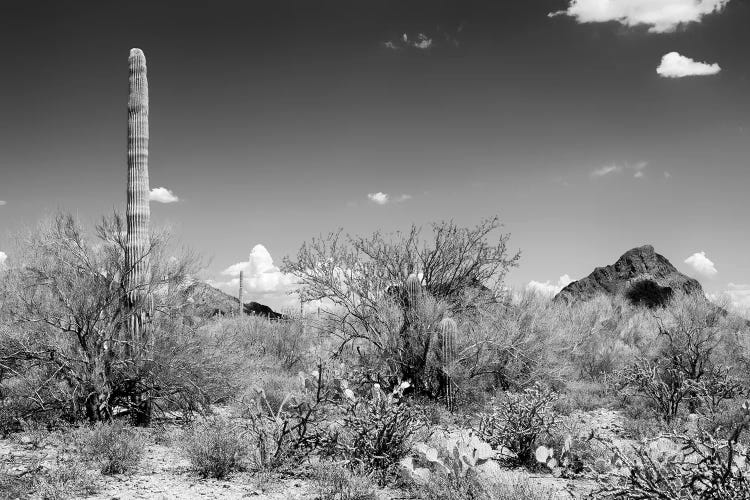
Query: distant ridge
{"x": 210, "y": 301}
{"x": 636, "y": 265}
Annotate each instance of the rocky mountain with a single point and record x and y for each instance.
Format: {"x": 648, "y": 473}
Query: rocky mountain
{"x": 209, "y": 301}
{"x": 640, "y": 274}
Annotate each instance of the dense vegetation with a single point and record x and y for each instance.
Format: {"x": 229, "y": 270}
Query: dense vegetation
{"x": 373, "y": 385}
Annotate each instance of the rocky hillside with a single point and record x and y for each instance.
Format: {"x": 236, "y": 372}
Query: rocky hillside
{"x": 209, "y": 301}
{"x": 640, "y": 270}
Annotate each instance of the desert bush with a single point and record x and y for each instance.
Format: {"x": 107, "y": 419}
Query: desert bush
{"x": 215, "y": 447}
{"x": 333, "y": 481}
{"x": 62, "y": 298}
{"x": 377, "y": 431}
{"x": 114, "y": 448}
{"x": 364, "y": 281}
{"x": 518, "y": 420}
{"x": 704, "y": 468}
{"x": 70, "y": 479}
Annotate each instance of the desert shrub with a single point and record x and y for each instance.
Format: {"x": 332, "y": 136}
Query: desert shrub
{"x": 705, "y": 467}
{"x": 71, "y": 479}
{"x": 364, "y": 280}
{"x": 518, "y": 420}
{"x": 215, "y": 447}
{"x": 63, "y": 303}
{"x": 114, "y": 448}
{"x": 377, "y": 431}
{"x": 582, "y": 395}
{"x": 571, "y": 450}
{"x": 335, "y": 482}
{"x": 283, "y": 436}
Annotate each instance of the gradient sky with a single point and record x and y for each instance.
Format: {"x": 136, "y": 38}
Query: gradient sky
{"x": 273, "y": 121}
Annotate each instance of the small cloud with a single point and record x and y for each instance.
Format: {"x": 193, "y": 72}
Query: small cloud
{"x": 384, "y": 198}
{"x": 636, "y": 168}
{"x": 379, "y": 198}
{"x": 667, "y": 175}
{"x": 675, "y": 65}
{"x": 548, "y": 288}
{"x": 701, "y": 264}
{"x": 3, "y": 258}
{"x": 162, "y": 195}
{"x": 606, "y": 170}
{"x": 420, "y": 41}
{"x": 3, "y": 203}
{"x": 661, "y": 16}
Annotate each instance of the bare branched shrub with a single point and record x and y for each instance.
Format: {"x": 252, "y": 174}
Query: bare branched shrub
{"x": 333, "y": 481}
{"x": 67, "y": 354}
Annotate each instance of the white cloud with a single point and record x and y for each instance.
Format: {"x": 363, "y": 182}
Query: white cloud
{"x": 606, "y": 170}
{"x": 379, "y": 198}
{"x": 162, "y": 195}
{"x": 675, "y": 65}
{"x": 2, "y": 203}
{"x": 421, "y": 42}
{"x": 667, "y": 175}
{"x": 548, "y": 288}
{"x": 263, "y": 281}
{"x": 3, "y": 258}
{"x": 637, "y": 168}
{"x": 661, "y": 16}
{"x": 701, "y": 264}
{"x": 384, "y": 198}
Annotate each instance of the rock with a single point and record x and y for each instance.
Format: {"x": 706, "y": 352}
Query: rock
{"x": 641, "y": 267}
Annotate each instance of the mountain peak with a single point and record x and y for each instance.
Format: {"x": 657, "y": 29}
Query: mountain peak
{"x": 636, "y": 265}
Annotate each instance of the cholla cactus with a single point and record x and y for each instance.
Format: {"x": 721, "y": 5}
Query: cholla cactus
{"x": 137, "y": 210}
{"x": 447, "y": 331}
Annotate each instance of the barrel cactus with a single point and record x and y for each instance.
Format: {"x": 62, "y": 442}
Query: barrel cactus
{"x": 447, "y": 331}
{"x": 137, "y": 210}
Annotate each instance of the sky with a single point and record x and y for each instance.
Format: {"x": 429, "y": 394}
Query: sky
{"x": 589, "y": 126}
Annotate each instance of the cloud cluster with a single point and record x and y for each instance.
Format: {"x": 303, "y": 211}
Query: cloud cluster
{"x": 661, "y": 16}
{"x": 547, "y": 288}
{"x": 702, "y": 264}
{"x": 675, "y": 65}
{"x": 420, "y": 42}
{"x": 381, "y": 198}
{"x": 162, "y": 195}
{"x": 262, "y": 279}
{"x": 636, "y": 168}
{"x": 738, "y": 296}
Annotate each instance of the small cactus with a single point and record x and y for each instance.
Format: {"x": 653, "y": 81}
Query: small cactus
{"x": 413, "y": 288}
{"x": 447, "y": 331}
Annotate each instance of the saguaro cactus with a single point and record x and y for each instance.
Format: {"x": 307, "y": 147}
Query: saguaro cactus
{"x": 137, "y": 210}
{"x": 242, "y": 306}
{"x": 447, "y": 331}
{"x": 413, "y": 289}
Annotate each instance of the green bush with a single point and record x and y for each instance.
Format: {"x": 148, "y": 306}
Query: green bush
{"x": 114, "y": 448}
{"x": 215, "y": 447}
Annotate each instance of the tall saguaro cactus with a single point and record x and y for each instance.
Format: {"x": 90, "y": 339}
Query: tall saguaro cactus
{"x": 137, "y": 210}
{"x": 447, "y": 331}
{"x": 242, "y": 306}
